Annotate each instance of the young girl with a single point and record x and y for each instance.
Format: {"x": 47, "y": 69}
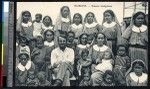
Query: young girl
{"x": 47, "y": 24}
{"x": 76, "y": 25}
{"x": 90, "y": 24}
{"x": 24, "y": 25}
{"x": 122, "y": 63}
{"x": 23, "y": 67}
{"x": 90, "y": 40}
{"x": 137, "y": 36}
{"x": 37, "y": 25}
{"x": 111, "y": 29}
{"x": 137, "y": 74}
{"x": 86, "y": 79}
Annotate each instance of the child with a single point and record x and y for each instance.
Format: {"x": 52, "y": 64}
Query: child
{"x": 37, "y": 25}
{"x": 77, "y": 26}
{"x": 86, "y": 79}
{"x": 108, "y": 79}
{"x": 106, "y": 63}
{"x": 91, "y": 26}
{"x": 32, "y": 79}
{"x": 32, "y": 44}
{"x": 42, "y": 79}
{"x": 23, "y": 68}
{"x": 90, "y": 40}
{"x": 122, "y": 63}
{"x": 38, "y": 54}
{"x": 71, "y": 41}
{"x": 137, "y": 74}
{"x": 47, "y": 24}
{"x": 49, "y": 38}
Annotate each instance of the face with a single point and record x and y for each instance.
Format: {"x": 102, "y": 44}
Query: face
{"x": 107, "y": 55}
{"x": 62, "y": 42}
{"x": 26, "y": 16}
{"x": 138, "y": 69}
{"x": 77, "y": 19}
{"x": 49, "y": 36}
{"x": 108, "y": 17}
{"x": 38, "y": 18}
{"x": 65, "y": 12}
{"x": 47, "y": 21}
{"x": 121, "y": 51}
{"x": 39, "y": 44}
{"x": 23, "y": 59}
{"x": 90, "y": 18}
{"x": 100, "y": 39}
{"x": 84, "y": 39}
{"x": 87, "y": 77}
{"x": 90, "y": 39}
{"x": 32, "y": 43}
{"x": 71, "y": 37}
{"x": 139, "y": 20}
{"x": 84, "y": 56}
{"x": 108, "y": 79}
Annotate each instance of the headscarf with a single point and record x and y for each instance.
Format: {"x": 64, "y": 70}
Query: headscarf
{"x": 94, "y": 18}
{"x": 72, "y": 22}
{"x": 59, "y": 21}
{"x": 131, "y": 68}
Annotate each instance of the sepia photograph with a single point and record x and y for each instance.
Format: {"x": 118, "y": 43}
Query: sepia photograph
{"x": 81, "y": 44}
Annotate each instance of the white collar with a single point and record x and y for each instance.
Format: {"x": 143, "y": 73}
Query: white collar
{"x": 49, "y": 44}
{"x": 82, "y": 46}
{"x": 77, "y": 26}
{"x": 102, "y": 49}
{"x": 65, "y": 19}
{"x": 141, "y": 78}
{"x": 109, "y": 25}
{"x": 27, "y": 66}
{"x": 46, "y": 28}
{"x": 139, "y": 29}
{"x": 26, "y": 24}
{"x": 91, "y": 25}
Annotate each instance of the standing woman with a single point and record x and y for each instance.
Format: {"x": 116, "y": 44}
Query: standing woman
{"x": 111, "y": 29}
{"x": 137, "y": 36}
{"x": 137, "y": 74}
{"x": 24, "y": 25}
{"x": 77, "y": 25}
{"x": 90, "y": 24}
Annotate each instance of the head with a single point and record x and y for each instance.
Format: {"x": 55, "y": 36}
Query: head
{"x": 39, "y": 42}
{"x": 32, "y": 43}
{"x": 138, "y": 67}
{"x": 90, "y": 17}
{"x": 90, "y": 39}
{"x": 47, "y": 21}
{"x": 49, "y": 35}
{"x": 42, "y": 76}
{"x": 62, "y": 42}
{"x": 121, "y": 50}
{"x": 31, "y": 74}
{"x": 65, "y": 11}
{"x": 84, "y": 54}
{"x": 108, "y": 55}
{"x": 77, "y": 19}
{"x": 70, "y": 36}
{"x": 83, "y": 38}
{"x": 109, "y": 16}
{"x": 26, "y": 15}
{"x": 86, "y": 76}
{"x": 23, "y": 58}
{"x": 108, "y": 77}
{"x": 23, "y": 41}
{"x": 38, "y": 17}
{"x": 101, "y": 39}
{"x": 138, "y": 19}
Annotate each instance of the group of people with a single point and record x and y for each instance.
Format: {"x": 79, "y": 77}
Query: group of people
{"x": 81, "y": 50}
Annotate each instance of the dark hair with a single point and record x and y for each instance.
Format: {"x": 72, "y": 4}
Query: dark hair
{"x": 38, "y": 14}
{"x": 109, "y": 11}
{"x": 81, "y": 36}
{"x": 137, "y": 14}
{"x": 71, "y": 33}
{"x": 108, "y": 72}
{"x": 79, "y": 16}
{"x": 63, "y": 8}
{"x": 62, "y": 34}
{"x": 88, "y": 14}
{"x": 39, "y": 38}
{"x": 105, "y": 39}
{"x": 51, "y": 23}
{"x": 46, "y": 33}
{"x": 23, "y": 39}
{"x": 85, "y": 51}
{"x": 121, "y": 45}
{"x": 26, "y": 12}
{"x": 140, "y": 63}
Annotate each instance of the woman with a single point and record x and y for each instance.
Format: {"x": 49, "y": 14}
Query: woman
{"x": 90, "y": 24}
{"x": 137, "y": 36}
{"x": 97, "y": 53}
{"x": 137, "y": 74}
{"x": 111, "y": 28}
{"x": 24, "y": 25}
